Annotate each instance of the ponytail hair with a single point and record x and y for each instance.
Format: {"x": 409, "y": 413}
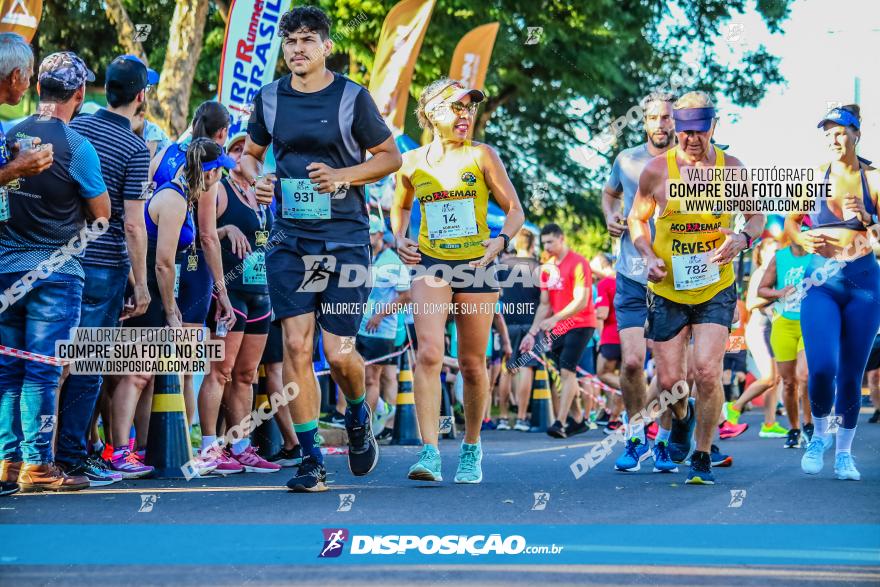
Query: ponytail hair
{"x": 201, "y": 150}
{"x": 210, "y": 118}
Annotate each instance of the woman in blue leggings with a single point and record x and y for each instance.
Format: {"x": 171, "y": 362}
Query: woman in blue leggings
{"x": 840, "y": 312}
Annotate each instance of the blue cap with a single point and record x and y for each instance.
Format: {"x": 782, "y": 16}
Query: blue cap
{"x": 698, "y": 119}
{"x": 66, "y": 69}
{"x": 841, "y": 117}
{"x": 223, "y": 160}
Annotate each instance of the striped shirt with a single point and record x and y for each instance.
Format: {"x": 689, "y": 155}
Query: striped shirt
{"x": 125, "y": 163}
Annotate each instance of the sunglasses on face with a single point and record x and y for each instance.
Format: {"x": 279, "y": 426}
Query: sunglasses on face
{"x": 457, "y": 108}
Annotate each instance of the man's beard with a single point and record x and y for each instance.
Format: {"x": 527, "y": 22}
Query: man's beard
{"x": 663, "y": 143}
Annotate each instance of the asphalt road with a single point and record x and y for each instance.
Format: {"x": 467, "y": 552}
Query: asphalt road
{"x": 516, "y": 466}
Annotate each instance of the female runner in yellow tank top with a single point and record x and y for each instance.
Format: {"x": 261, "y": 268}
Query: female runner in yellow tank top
{"x": 451, "y": 178}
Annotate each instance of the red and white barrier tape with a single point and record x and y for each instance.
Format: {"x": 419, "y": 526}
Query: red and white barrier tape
{"x": 19, "y": 354}
{"x": 372, "y": 361}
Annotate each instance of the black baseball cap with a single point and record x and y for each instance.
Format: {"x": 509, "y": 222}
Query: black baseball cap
{"x": 127, "y": 73}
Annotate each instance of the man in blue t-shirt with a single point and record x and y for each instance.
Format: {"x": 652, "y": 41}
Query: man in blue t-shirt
{"x": 40, "y": 273}
{"x": 125, "y": 164}
{"x": 16, "y": 70}
{"x": 320, "y": 126}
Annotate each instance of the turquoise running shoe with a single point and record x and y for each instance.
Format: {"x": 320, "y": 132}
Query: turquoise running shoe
{"x": 428, "y": 467}
{"x": 814, "y": 457}
{"x": 845, "y": 468}
{"x": 470, "y": 456}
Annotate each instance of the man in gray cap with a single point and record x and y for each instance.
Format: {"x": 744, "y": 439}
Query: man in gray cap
{"x": 42, "y": 287}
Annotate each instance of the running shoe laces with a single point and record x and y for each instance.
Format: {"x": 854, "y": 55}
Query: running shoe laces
{"x": 468, "y": 460}
{"x": 632, "y": 448}
{"x": 662, "y": 451}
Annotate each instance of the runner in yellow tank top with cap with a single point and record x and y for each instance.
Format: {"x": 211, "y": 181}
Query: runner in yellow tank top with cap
{"x": 450, "y": 180}
{"x": 689, "y": 269}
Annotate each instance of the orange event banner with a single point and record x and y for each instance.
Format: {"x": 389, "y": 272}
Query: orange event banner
{"x": 399, "y": 44}
{"x": 470, "y": 62}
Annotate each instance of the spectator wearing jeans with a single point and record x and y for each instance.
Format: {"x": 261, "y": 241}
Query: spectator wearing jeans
{"x": 46, "y": 215}
{"x": 16, "y": 69}
{"x": 125, "y": 163}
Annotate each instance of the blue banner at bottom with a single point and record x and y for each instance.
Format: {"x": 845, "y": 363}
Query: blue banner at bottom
{"x": 449, "y": 544}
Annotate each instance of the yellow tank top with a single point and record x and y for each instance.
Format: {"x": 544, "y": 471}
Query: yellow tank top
{"x": 453, "y": 199}
{"x": 685, "y": 242}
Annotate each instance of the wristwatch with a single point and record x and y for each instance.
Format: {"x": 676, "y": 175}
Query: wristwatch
{"x": 748, "y": 239}
{"x": 506, "y": 240}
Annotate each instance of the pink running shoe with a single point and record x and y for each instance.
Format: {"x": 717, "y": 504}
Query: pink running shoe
{"x": 651, "y": 431}
{"x": 129, "y": 466}
{"x": 727, "y": 430}
{"x": 254, "y": 463}
{"x": 226, "y": 465}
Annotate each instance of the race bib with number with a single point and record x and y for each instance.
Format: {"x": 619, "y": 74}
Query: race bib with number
{"x": 176, "y": 278}
{"x": 300, "y": 201}
{"x": 255, "y": 269}
{"x": 451, "y": 219}
{"x": 693, "y": 271}
{"x": 4, "y": 205}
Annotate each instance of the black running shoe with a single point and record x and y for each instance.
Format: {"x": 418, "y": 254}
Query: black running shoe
{"x": 602, "y": 418}
{"x": 287, "y": 458}
{"x": 386, "y": 434}
{"x": 334, "y": 419}
{"x": 556, "y": 430}
{"x": 8, "y": 488}
{"x": 701, "y": 470}
{"x": 794, "y": 439}
{"x": 875, "y": 418}
{"x": 97, "y": 476}
{"x": 311, "y": 477}
{"x": 572, "y": 427}
{"x": 363, "y": 450}
{"x": 808, "y": 431}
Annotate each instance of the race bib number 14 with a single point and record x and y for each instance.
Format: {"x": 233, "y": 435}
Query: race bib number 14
{"x": 693, "y": 271}
{"x": 451, "y": 219}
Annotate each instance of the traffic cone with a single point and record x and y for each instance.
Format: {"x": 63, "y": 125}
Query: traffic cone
{"x": 267, "y": 436}
{"x": 168, "y": 447}
{"x": 542, "y": 406}
{"x": 406, "y": 426}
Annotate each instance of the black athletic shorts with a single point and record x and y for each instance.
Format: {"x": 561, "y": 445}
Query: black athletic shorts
{"x": 370, "y": 347}
{"x": 667, "y": 318}
{"x": 611, "y": 352}
{"x": 517, "y": 332}
{"x": 308, "y": 276}
{"x": 567, "y": 349}
{"x": 253, "y": 312}
{"x": 736, "y": 362}
{"x": 460, "y": 276}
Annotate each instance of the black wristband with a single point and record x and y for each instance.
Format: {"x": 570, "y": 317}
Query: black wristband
{"x": 748, "y": 239}
{"x": 506, "y": 240}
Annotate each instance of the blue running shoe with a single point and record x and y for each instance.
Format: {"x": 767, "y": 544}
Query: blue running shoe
{"x": 845, "y": 468}
{"x": 469, "y": 458}
{"x": 701, "y": 470}
{"x": 428, "y": 467}
{"x": 814, "y": 458}
{"x": 662, "y": 461}
{"x": 633, "y": 454}
{"x": 682, "y": 434}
